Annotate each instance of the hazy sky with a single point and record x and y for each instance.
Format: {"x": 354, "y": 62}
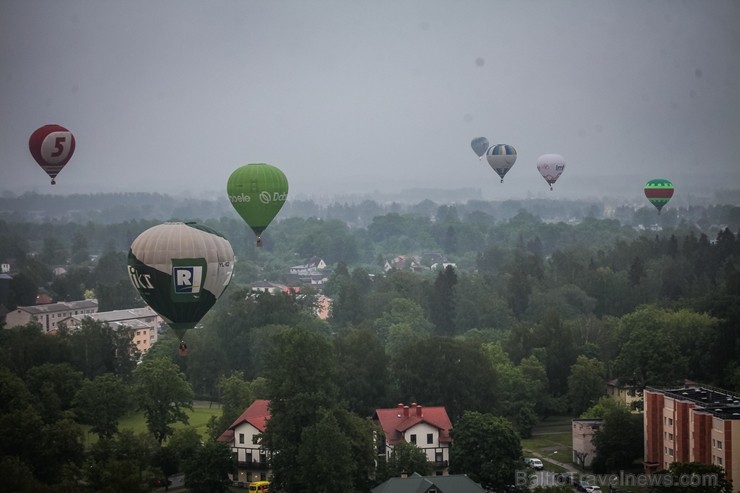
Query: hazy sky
{"x": 353, "y": 96}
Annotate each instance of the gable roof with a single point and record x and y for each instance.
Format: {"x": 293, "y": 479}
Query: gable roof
{"x": 257, "y": 415}
{"x": 395, "y": 421}
{"x": 455, "y": 483}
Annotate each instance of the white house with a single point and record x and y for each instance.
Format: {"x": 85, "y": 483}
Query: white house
{"x": 426, "y": 427}
{"x": 243, "y": 436}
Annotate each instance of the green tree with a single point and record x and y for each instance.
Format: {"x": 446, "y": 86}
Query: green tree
{"x": 692, "y": 477}
{"x": 301, "y": 371}
{"x": 54, "y": 386}
{"x": 80, "y": 248}
{"x": 321, "y": 444}
{"x": 487, "y": 448}
{"x": 162, "y": 392}
{"x": 236, "y": 396}
{"x": 619, "y": 441}
{"x": 183, "y": 444}
{"x": 207, "y": 470}
{"x": 585, "y": 383}
{"x": 362, "y": 374}
{"x": 96, "y": 348}
{"x": 442, "y": 302}
{"x": 101, "y": 402}
{"x": 459, "y": 376}
{"x": 403, "y": 322}
{"x": 407, "y": 458}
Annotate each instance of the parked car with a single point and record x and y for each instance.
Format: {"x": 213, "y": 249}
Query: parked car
{"x": 566, "y": 478}
{"x": 582, "y": 485}
{"x": 535, "y": 463}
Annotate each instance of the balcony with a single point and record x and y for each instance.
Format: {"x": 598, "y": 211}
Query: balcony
{"x": 253, "y": 465}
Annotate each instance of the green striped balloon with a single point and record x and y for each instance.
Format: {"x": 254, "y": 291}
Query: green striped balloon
{"x": 659, "y": 191}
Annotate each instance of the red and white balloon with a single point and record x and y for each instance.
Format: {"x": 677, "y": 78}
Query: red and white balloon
{"x": 52, "y": 147}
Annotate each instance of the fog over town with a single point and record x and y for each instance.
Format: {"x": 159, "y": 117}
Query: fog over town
{"x": 349, "y": 98}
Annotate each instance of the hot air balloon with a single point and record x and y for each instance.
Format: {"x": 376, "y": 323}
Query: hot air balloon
{"x": 480, "y": 146}
{"x": 551, "y": 166}
{"x": 52, "y": 147}
{"x": 659, "y": 192}
{"x": 501, "y": 157}
{"x": 257, "y": 191}
{"x": 180, "y": 270}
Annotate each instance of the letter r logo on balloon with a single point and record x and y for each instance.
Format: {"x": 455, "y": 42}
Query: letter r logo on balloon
{"x": 187, "y": 279}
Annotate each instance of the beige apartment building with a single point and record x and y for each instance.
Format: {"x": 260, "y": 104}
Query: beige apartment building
{"x": 692, "y": 424}
{"x": 142, "y": 323}
{"x": 49, "y": 316}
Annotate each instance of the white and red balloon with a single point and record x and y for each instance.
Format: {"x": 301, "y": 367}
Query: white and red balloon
{"x": 52, "y": 147}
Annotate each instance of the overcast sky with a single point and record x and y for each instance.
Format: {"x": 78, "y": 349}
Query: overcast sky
{"x": 350, "y": 96}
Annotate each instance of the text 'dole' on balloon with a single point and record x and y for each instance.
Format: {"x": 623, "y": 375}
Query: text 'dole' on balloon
{"x": 257, "y": 192}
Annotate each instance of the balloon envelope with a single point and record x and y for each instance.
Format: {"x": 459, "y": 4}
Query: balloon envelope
{"x": 501, "y": 158}
{"x": 551, "y": 166}
{"x": 257, "y": 191}
{"x": 479, "y": 145}
{"x": 52, "y": 147}
{"x": 659, "y": 191}
{"x": 180, "y": 270}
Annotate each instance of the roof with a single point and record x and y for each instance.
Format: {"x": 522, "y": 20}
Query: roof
{"x": 257, "y": 415}
{"x": 119, "y": 315}
{"x": 60, "y": 307}
{"x": 721, "y": 403}
{"x": 456, "y": 483}
{"x": 395, "y": 421}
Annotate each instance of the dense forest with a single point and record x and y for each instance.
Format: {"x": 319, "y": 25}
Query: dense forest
{"x": 541, "y": 302}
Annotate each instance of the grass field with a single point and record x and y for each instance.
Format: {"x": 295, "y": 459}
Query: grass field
{"x": 198, "y": 419}
{"x": 551, "y": 439}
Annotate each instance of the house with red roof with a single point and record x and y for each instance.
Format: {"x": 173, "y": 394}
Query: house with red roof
{"x": 427, "y": 427}
{"x": 243, "y": 436}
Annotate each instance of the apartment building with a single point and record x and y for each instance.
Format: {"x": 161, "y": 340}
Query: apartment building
{"x": 582, "y": 432}
{"x": 142, "y": 323}
{"x": 49, "y": 316}
{"x": 692, "y": 424}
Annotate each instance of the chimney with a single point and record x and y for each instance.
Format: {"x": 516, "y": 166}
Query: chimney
{"x": 418, "y": 410}
{"x": 406, "y": 411}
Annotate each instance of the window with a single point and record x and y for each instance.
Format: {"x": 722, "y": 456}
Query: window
{"x": 412, "y": 438}
{"x": 670, "y": 421}
{"x": 719, "y": 444}
{"x": 241, "y": 437}
{"x": 438, "y": 456}
{"x": 714, "y": 442}
{"x": 670, "y": 436}
{"x": 430, "y": 438}
{"x": 670, "y": 452}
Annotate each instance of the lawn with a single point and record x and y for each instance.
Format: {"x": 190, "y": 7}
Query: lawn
{"x": 198, "y": 419}
{"x": 551, "y": 439}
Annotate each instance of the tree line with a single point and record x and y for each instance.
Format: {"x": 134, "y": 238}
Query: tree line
{"x": 528, "y": 325}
